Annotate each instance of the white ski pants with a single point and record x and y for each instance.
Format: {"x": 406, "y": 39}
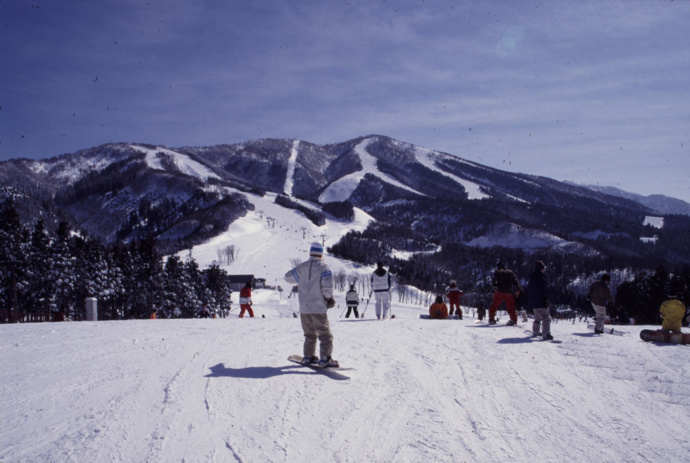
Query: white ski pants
{"x": 383, "y": 304}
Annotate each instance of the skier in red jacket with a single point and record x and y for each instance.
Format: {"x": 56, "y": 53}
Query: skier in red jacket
{"x": 246, "y": 300}
{"x": 453, "y": 295}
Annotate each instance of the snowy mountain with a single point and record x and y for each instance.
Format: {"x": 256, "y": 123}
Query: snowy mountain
{"x": 222, "y": 389}
{"x": 423, "y": 198}
{"x": 418, "y": 391}
{"x": 660, "y": 203}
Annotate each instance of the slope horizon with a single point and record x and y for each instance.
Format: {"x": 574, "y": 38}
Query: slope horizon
{"x": 609, "y": 189}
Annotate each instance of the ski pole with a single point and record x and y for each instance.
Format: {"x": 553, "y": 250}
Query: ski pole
{"x": 341, "y": 313}
{"x": 365, "y": 307}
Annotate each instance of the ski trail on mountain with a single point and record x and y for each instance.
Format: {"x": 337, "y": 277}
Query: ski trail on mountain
{"x": 341, "y": 189}
{"x": 290, "y": 174}
{"x": 424, "y": 157}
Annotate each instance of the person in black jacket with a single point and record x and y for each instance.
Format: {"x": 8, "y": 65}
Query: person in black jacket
{"x": 507, "y": 289}
{"x": 536, "y": 297}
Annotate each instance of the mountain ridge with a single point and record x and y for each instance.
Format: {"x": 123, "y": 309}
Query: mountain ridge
{"x": 183, "y": 196}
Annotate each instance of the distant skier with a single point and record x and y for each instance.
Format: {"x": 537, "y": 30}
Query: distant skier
{"x": 481, "y": 311}
{"x": 381, "y": 285}
{"x": 672, "y": 312}
{"x": 352, "y": 301}
{"x": 203, "y": 313}
{"x": 61, "y": 316}
{"x": 315, "y": 294}
{"x": 599, "y": 295}
{"x": 507, "y": 289}
{"x": 453, "y": 294}
{"x": 246, "y": 300}
{"x": 536, "y": 297}
{"x": 154, "y": 315}
{"x": 438, "y": 309}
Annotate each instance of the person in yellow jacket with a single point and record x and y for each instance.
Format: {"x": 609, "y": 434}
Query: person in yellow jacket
{"x": 672, "y": 311}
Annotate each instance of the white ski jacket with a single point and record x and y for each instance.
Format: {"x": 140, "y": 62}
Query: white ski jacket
{"x": 380, "y": 281}
{"x": 315, "y": 285}
{"x": 351, "y": 297}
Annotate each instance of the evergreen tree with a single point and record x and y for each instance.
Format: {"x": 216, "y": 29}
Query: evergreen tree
{"x": 13, "y": 262}
{"x": 219, "y": 291}
{"x": 147, "y": 279}
{"x": 39, "y": 266}
{"x": 61, "y": 278}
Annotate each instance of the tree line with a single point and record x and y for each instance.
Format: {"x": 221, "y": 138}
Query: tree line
{"x": 638, "y": 289}
{"x": 43, "y": 273}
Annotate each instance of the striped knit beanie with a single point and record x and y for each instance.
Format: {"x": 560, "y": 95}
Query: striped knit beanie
{"x": 316, "y": 249}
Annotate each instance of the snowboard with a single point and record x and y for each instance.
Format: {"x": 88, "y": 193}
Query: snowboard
{"x": 331, "y": 372}
{"x": 539, "y": 338}
{"x": 427, "y": 317}
{"x": 608, "y": 330}
{"x": 665, "y": 336}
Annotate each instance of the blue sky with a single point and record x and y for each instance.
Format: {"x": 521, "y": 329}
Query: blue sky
{"x": 594, "y": 92}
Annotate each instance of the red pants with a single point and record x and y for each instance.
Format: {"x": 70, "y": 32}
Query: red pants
{"x": 509, "y": 299}
{"x": 246, "y": 307}
{"x": 457, "y": 308}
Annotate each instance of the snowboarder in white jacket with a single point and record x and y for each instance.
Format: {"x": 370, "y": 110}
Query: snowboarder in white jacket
{"x": 381, "y": 286}
{"x": 315, "y": 293}
{"x": 352, "y": 300}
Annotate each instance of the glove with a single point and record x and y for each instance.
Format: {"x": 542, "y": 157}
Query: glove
{"x": 330, "y": 303}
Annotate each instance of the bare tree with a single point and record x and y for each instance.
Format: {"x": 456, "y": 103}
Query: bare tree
{"x": 339, "y": 279}
{"x": 231, "y": 253}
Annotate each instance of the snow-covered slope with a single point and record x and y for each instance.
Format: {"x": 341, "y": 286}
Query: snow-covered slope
{"x": 419, "y": 391}
{"x": 157, "y": 157}
{"x": 427, "y": 158}
{"x": 271, "y": 237}
{"x": 341, "y": 189}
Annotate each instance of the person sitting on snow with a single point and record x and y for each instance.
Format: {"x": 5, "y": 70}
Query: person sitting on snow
{"x": 438, "y": 309}
{"x": 672, "y": 312}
